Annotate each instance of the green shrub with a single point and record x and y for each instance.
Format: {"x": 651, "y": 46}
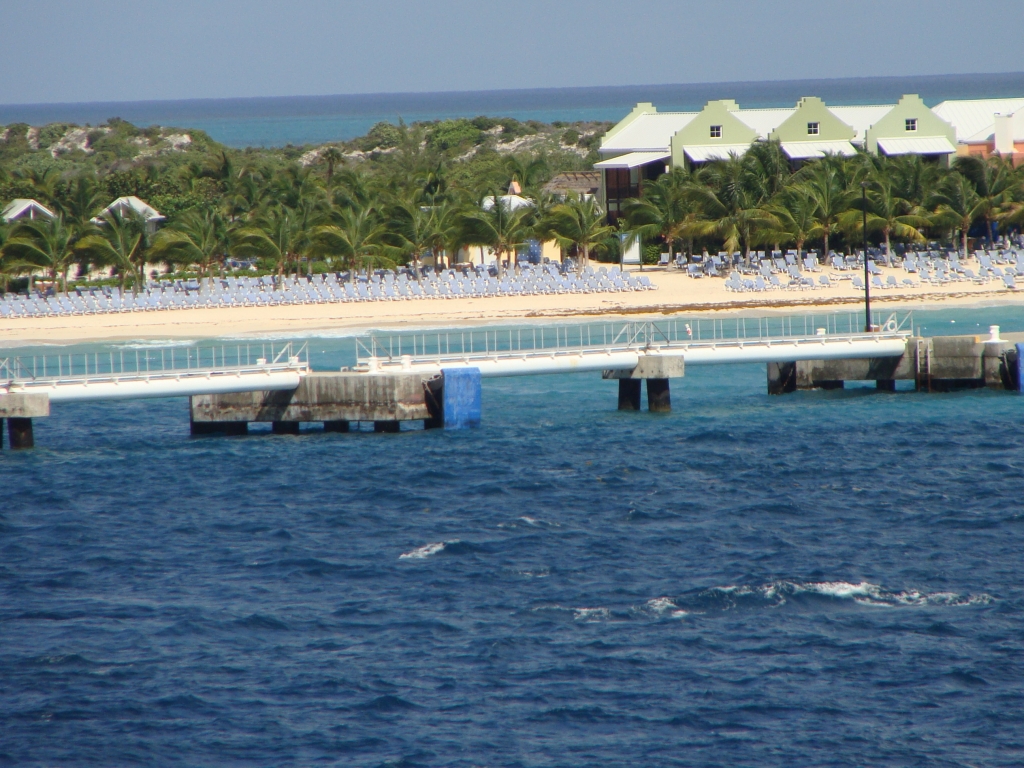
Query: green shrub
{"x": 451, "y": 134}
{"x": 651, "y": 253}
{"x": 382, "y": 136}
{"x": 571, "y": 137}
{"x": 52, "y": 133}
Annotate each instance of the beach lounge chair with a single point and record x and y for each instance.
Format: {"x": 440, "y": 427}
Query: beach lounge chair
{"x": 858, "y": 283}
{"x": 1009, "y": 282}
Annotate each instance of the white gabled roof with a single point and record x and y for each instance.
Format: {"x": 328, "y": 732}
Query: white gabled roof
{"x": 122, "y": 205}
{"x": 803, "y": 150}
{"x": 702, "y": 153}
{"x": 974, "y": 120}
{"x": 633, "y": 160}
{"x": 763, "y": 121}
{"x": 22, "y": 207}
{"x": 651, "y": 132}
{"x": 917, "y": 145}
{"x": 861, "y": 118}
{"x": 509, "y": 202}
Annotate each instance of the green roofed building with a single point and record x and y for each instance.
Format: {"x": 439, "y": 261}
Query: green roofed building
{"x": 647, "y": 143}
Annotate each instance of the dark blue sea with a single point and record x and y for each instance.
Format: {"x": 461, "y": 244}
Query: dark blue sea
{"x": 819, "y": 579}
{"x": 300, "y": 120}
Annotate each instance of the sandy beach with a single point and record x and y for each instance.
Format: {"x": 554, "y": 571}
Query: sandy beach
{"x": 677, "y": 294}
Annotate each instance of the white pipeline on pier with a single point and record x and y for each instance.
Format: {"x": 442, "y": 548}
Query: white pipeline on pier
{"x": 154, "y": 372}
{"x": 597, "y": 348}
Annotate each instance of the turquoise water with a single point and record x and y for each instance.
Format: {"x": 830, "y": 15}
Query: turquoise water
{"x": 317, "y": 119}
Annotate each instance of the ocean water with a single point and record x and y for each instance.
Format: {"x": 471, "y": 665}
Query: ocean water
{"x": 820, "y": 579}
{"x": 302, "y": 120}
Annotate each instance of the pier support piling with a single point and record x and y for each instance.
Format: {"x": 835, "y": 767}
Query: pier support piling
{"x": 284, "y": 427}
{"x": 19, "y": 409}
{"x": 20, "y": 432}
{"x": 1020, "y": 367}
{"x": 229, "y": 428}
{"x": 629, "y": 394}
{"x": 658, "y": 397}
{"x": 336, "y": 426}
{"x": 387, "y": 426}
{"x": 781, "y": 378}
{"x": 885, "y": 385}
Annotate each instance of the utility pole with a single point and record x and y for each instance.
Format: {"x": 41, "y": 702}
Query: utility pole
{"x": 867, "y": 276}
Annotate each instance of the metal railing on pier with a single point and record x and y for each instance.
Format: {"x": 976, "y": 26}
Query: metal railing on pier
{"x": 621, "y": 336}
{"x": 152, "y": 363}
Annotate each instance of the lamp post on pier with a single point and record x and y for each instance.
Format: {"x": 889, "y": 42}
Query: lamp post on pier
{"x": 867, "y": 277}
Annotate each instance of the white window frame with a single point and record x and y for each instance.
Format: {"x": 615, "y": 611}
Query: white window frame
{"x": 910, "y": 124}
{"x": 813, "y": 129}
{"x": 716, "y": 131}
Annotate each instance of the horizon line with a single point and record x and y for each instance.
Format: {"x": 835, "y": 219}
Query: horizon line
{"x": 545, "y": 89}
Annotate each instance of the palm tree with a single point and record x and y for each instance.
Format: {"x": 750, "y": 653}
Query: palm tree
{"x": 733, "y": 204}
{"x": 528, "y": 172}
{"x": 889, "y": 214}
{"x": 795, "y": 219}
{"x": 580, "y": 222}
{"x": 42, "y": 244}
{"x": 958, "y": 205}
{"x": 199, "y": 238}
{"x": 447, "y": 232}
{"x": 276, "y": 236}
{"x": 500, "y": 228}
{"x": 81, "y": 202}
{"x": 331, "y": 156}
{"x": 996, "y": 181}
{"x": 826, "y": 184}
{"x": 121, "y": 242}
{"x": 666, "y": 210}
{"x": 354, "y": 235}
{"x": 410, "y": 230}
{"x": 43, "y": 182}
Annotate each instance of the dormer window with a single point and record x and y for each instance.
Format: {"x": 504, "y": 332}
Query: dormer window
{"x": 812, "y": 129}
{"x": 716, "y": 131}
{"x": 911, "y": 123}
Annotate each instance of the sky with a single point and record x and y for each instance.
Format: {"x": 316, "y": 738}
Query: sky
{"x": 71, "y": 51}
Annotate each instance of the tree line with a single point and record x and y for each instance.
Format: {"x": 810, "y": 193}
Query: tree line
{"x": 339, "y": 215}
{"x": 757, "y": 200}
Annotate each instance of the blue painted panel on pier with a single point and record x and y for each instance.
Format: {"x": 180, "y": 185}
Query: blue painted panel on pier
{"x": 461, "y": 398}
{"x": 1020, "y": 367}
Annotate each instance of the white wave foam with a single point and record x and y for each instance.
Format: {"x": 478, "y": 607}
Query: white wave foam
{"x": 426, "y": 550}
{"x": 862, "y": 593}
{"x": 149, "y": 343}
{"x": 591, "y": 614}
{"x": 664, "y": 606}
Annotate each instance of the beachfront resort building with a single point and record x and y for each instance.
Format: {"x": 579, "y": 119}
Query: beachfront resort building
{"x": 647, "y": 143}
{"x": 129, "y": 206}
{"x": 20, "y": 209}
{"x": 987, "y": 127}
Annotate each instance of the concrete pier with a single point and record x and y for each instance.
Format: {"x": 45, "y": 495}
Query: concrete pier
{"x": 658, "y": 396}
{"x": 936, "y": 364}
{"x": 656, "y": 371}
{"x": 336, "y": 399}
{"x": 19, "y": 410}
{"x": 629, "y": 394}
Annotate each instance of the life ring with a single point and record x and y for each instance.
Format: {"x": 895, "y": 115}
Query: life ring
{"x": 890, "y": 325}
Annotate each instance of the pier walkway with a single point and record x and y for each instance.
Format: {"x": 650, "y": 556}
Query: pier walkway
{"x": 435, "y": 377}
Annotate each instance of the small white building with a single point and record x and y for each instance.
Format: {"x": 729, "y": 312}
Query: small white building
{"x": 126, "y": 207}
{"x": 26, "y": 209}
